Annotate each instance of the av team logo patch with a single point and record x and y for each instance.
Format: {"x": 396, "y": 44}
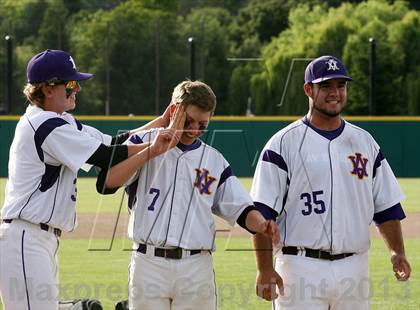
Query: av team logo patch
{"x": 359, "y": 165}
{"x": 203, "y": 181}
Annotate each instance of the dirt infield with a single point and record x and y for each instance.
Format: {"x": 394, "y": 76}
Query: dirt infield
{"x": 107, "y": 225}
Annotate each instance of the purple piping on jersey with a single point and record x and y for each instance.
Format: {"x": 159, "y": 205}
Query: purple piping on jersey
{"x": 135, "y": 139}
{"x": 131, "y": 191}
{"x": 27, "y": 202}
{"x": 43, "y": 131}
{"x": 24, "y": 271}
{"x": 225, "y": 175}
{"x": 50, "y": 176}
{"x": 394, "y": 213}
{"x": 198, "y": 143}
{"x": 266, "y": 211}
{"x": 330, "y": 135}
{"x": 285, "y": 196}
{"x": 274, "y": 158}
{"x": 55, "y": 199}
{"x": 285, "y": 225}
{"x": 189, "y": 147}
{"x": 79, "y": 124}
{"x": 332, "y": 191}
{"x": 379, "y": 158}
{"x": 172, "y": 200}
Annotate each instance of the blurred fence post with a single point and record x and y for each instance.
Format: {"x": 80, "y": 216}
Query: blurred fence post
{"x": 9, "y": 80}
{"x": 108, "y": 72}
{"x": 372, "y": 67}
{"x": 157, "y": 68}
{"x": 192, "y": 58}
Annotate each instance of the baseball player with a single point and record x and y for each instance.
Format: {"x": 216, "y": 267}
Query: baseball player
{"x": 172, "y": 199}
{"x": 48, "y": 149}
{"x": 324, "y": 180}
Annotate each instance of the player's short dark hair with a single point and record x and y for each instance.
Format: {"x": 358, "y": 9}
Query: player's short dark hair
{"x": 195, "y": 93}
{"x": 34, "y": 94}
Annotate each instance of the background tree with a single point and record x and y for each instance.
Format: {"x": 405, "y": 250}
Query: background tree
{"x": 186, "y": 6}
{"x": 208, "y": 27}
{"x": 75, "y": 6}
{"x": 344, "y": 32}
{"x": 256, "y": 24}
{"x": 20, "y": 20}
{"x": 138, "y": 50}
{"x": 405, "y": 42}
{"x": 53, "y": 32}
{"x": 124, "y": 44}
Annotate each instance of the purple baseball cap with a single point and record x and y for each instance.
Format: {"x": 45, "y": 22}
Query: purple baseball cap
{"x": 53, "y": 64}
{"x": 325, "y": 68}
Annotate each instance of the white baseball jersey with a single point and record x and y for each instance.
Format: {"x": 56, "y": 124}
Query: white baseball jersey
{"x": 325, "y": 191}
{"x": 47, "y": 151}
{"x": 174, "y": 195}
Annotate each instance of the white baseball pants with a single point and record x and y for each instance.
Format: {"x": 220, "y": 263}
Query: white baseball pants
{"x": 318, "y": 284}
{"x": 157, "y": 283}
{"x": 28, "y": 267}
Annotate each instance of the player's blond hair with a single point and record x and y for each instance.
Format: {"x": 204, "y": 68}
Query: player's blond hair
{"x": 34, "y": 94}
{"x": 195, "y": 93}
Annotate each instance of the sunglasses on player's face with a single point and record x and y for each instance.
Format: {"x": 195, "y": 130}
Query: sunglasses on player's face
{"x": 70, "y": 85}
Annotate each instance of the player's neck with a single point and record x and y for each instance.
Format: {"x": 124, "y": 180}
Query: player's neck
{"x": 52, "y": 107}
{"x": 189, "y": 147}
{"x": 324, "y": 122}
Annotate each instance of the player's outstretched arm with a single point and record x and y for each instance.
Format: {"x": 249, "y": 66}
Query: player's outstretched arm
{"x": 392, "y": 235}
{"x": 138, "y": 154}
{"x": 267, "y": 234}
{"x": 119, "y": 174}
{"x": 267, "y": 279}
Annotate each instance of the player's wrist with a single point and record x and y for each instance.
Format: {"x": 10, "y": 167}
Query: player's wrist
{"x": 152, "y": 151}
{"x": 160, "y": 122}
{"x": 264, "y": 269}
{"x": 395, "y": 254}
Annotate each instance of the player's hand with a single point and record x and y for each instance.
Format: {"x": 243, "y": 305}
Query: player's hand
{"x": 165, "y": 140}
{"x": 400, "y": 266}
{"x": 166, "y": 117}
{"x": 266, "y": 283}
{"x": 178, "y": 118}
{"x": 271, "y": 229}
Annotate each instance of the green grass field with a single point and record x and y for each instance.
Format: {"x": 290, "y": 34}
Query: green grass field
{"x": 103, "y": 274}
